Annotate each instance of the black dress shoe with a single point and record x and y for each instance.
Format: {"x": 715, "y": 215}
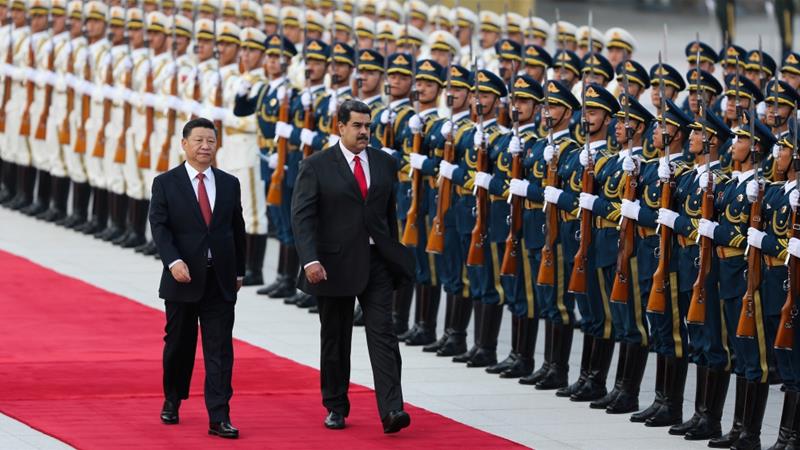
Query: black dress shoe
{"x": 395, "y": 421}
{"x": 334, "y": 421}
{"x": 169, "y": 413}
{"x": 223, "y": 430}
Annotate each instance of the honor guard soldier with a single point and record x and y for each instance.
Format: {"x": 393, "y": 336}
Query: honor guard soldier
{"x": 509, "y": 54}
{"x": 466, "y": 23}
{"x": 369, "y": 9}
{"x": 538, "y": 31}
{"x": 386, "y": 38}
{"x": 790, "y": 69}
{"x": 315, "y": 25}
{"x": 708, "y": 346}
{"x": 638, "y": 81}
{"x": 417, "y": 12}
{"x": 251, "y": 14}
{"x": 512, "y": 27}
{"x": 444, "y": 47}
{"x": 271, "y": 18}
{"x": 483, "y": 284}
{"x": 620, "y": 46}
{"x": 208, "y": 9}
{"x": 549, "y": 159}
{"x": 441, "y": 18}
{"x": 8, "y": 170}
{"x": 759, "y": 68}
{"x": 292, "y": 24}
{"x": 371, "y": 80}
{"x": 340, "y": 26}
{"x": 596, "y": 69}
{"x": 491, "y": 26}
{"x": 411, "y": 40}
{"x": 598, "y": 40}
{"x": 537, "y": 62}
{"x": 700, "y": 81}
{"x": 391, "y": 10}
{"x": 739, "y": 92}
{"x": 673, "y": 85}
{"x": 708, "y": 56}
{"x": 230, "y": 11}
{"x": 564, "y": 34}
{"x": 733, "y": 60}
{"x": 567, "y": 68}
{"x": 364, "y": 33}
{"x": 518, "y": 284}
{"x": 780, "y": 103}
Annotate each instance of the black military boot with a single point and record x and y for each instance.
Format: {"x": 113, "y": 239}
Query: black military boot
{"x": 754, "y": 405}
{"x": 490, "y": 328}
{"x": 539, "y": 373}
{"x": 523, "y": 366}
{"x": 607, "y": 399}
{"x": 477, "y": 308}
{"x": 709, "y": 425}
{"x": 557, "y": 376}
{"x": 448, "y": 324}
{"x": 642, "y": 416}
{"x": 307, "y": 302}
{"x": 426, "y": 332}
{"x": 254, "y": 270}
{"x": 80, "y": 206}
{"x": 99, "y": 214}
{"x": 291, "y": 269}
{"x": 628, "y": 399}
{"x": 118, "y": 211}
{"x": 586, "y": 356}
{"x": 135, "y": 237}
{"x": 418, "y": 297}
{"x": 699, "y": 404}
{"x": 401, "y": 306}
{"x": 26, "y": 182}
{"x": 456, "y": 342}
{"x": 788, "y": 415}
{"x": 671, "y": 411}
{"x": 58, "y": 200}
{"x": 595, "y": 385}
{"x": 8, "y": 182}
{"x": 726, "y": 440}
{"x": 281, "y": 273}
{"x": 43, "y": 191}
{"x": 129, "y": 220}
{"x": 503, "y": 365}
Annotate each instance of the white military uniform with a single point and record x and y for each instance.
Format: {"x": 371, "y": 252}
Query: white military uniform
{"x": 159, "y": 64}
{"x": 5, "y": 35}
{"x": 14, "y": 143}
{"x": 118, "y": 63}
{"x": 94, "y": 166}
{"x": 134, "y": 136}
{"x": 73, "y": 160}
{"x": 54, "y": 152}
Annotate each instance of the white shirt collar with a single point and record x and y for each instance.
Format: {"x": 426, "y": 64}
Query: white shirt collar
{"x": 349, "y": 156}
{"x": 701, "y": 168}
{"x": 342, "y": 90}
{"x": 623, "y": 153}
{"x": 428, "y": 112}
{"x": 276, "y": 82}
{"x": 372, "y": 99}
{"x": 488, "y": 123}
{"x": 316, "y": 88}
{"x": 789, "y": 186}
{"x": 526, "y": 126}
{"x": 209, "y": 173}
{"x": 745, "y": 175}
{"x": 594, "y": 144}
{"x": 394, "y": 104}
{"x": 558, "y": 134}
{"x": 459, "y": 116}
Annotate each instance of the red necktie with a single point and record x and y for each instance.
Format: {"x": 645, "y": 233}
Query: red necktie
{"x": 202, "y": 198}
{"x": 358, "y": 171}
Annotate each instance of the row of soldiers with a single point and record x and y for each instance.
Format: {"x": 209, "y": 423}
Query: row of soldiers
{"x": 529, "y": 181}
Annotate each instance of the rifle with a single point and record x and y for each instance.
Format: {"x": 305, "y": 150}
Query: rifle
{"x": 697, "y": 307}
{"x": 620, "y": 291}
{"x": 784, "y": 339}
{"x": 560, "y": 37}
{"x": 512, "y": 250}
{"x": 475, "y": 256}
{"x": 746, "y": 327}
{"x": 445, "y": 193}
{"x": 172, "y": 115}
{"x": 99, "y": 150}
{"x": 121, "y": 153}
{"x": 577, "y": 280}
{"x": 219, "y": 88}
{"x": 735, "y": 164}
{"x": 9, "y": 62}
{"x": 388, "y": 130}
{"x": 86, "y": 101}
{"x": 355, "y": 83}
{"x": 547, "y": 274}
{"x": 44, "y": 116}
{"x": 502, "y": 110}
{"x": 275, "y": 192}
{"x": 657, "y": 300}
{"x": 30, "y": 89}
{"x": 308, "y": 114}
{"x": 144, "y": 161}
{"x": 411, "y": 231}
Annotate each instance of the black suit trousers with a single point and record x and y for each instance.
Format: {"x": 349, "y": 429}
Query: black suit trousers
{"x": 336, "y": 331}
{"x": 215, "y": 316}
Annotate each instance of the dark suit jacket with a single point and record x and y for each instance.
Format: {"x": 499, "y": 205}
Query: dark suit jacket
{"x": 180, "y": 232}
{"x": 332, "y": 223}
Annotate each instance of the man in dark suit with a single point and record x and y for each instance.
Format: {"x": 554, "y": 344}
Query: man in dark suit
{"x": 344, "y": 222}
{"x": 197, "y": 225}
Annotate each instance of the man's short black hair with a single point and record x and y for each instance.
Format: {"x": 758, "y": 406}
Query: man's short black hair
{"x": 349, "y": 106}
{"x": 200, "y": 122}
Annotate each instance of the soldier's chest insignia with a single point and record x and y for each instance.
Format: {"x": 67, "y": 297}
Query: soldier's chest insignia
{"x": 719, "y": 196}
{"x": 740, "y": 197}
{"x": 699, "y": 190}
{"x": 783, "y": 209}
{"x": 273, "y": 102}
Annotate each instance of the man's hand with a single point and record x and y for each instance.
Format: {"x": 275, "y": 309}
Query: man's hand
{"x": 316, "y": 273}
{"x": 180, "y": 271}
{"x": 239, "y": 282}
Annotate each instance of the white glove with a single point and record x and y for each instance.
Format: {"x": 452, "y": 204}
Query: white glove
{"x": 387, "y": 116}
{"x": 306, "y": 99}
{"x": 446, "y": 129}
{"x": 735, "y": 173}
{"x": 586, "y": 201}
{"x": 389, "y": 151}
{"x": 333, "y": 104}
{"x": 482, "y": 179}
{"x": 273, "y": 160}
{"x": 549, "y": 153}
{"x": 446, "y": 169}
{"x": 477, "y": 138}
{"x": 794, "y": 247}
{"x": 776, "y": 149}
{"x": 244, "y": 87}
{"x": 160, "y": 103}
{"x": 281, "y": 94}
{"x": 519, "y": 187}
{"x": 706, "y": 228}
{"x": 415, "y": 123}
{"x": 333, "y": 140}
{"x": 755, "y": 237}
{"x": 307, "y": 136}
{"x": 417, "y": 160}
{"x": 515, "y": 146}
{"x": 752, "y": 190}
{"x": 702, "y": 182}
{"x": 283, "y": 129}
{"x": 794, "y": 199}
{"x": 664, "y": 169}
{"x": 667, "y": 217}
{"x": 552, "y": 194}
{"x": 584, "y": 157}
{"x": 630, "y": 209}
{"x": 628, "y": 164}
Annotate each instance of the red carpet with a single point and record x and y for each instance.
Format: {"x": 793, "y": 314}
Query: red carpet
{"x": 83, "y": 365}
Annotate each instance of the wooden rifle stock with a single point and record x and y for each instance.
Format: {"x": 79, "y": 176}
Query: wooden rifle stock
{"x": 443, "y": 202}
{"x": 41, "y": 128}
{"x": 121, "y": 153}
{"x": 621, "y": 289}
{"x": 145, "y": 157}
{"x": 64, "y": 133}
{"x": 512, "y": 250}
{"x": 746, "y": 327}
{"x": 697, "y": 307}
{"x": 503, "y": 116}
{"x": 6, "y": 86}
{"x": 784, "y": 339}
{"x": 275, "y": 192}
{"x": 547, "y": 268}
{"x": 30, "y": 87}
{"x": 577, "y": 280}
{"x": 411, "y": 231}
{"x": 657, "y": 299}
{"x": 86, "y": 107}
{"x": 475, "y": 256}
{"x": 99, "y": 150}
{"x": 163, "y": 157}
